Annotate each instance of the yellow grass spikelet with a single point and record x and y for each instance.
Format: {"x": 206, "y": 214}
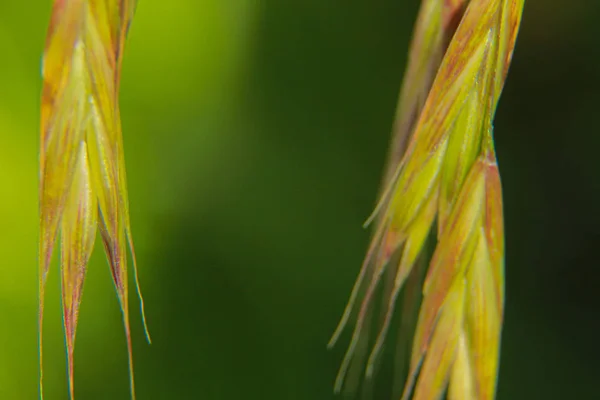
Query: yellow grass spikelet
{"x": 435, "y": 26}
{"x": 82, "y": 169}
{"x": 469, "y": 254}
{"x": 446, "y": 174}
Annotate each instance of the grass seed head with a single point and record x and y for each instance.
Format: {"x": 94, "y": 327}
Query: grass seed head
{"x": 82, "y": 170}
{"x": 448, "y": 173}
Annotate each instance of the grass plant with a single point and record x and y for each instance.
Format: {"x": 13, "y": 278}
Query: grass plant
{"x": 82, "y": 169}
{"x": 442, "y": 182}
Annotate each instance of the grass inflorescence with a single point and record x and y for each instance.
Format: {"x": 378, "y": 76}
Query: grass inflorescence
{"x": 442, "y": 182}
{"x": 82, "y": 170}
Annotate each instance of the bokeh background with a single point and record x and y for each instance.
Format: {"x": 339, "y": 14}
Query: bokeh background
{"x": 255, "y": 136}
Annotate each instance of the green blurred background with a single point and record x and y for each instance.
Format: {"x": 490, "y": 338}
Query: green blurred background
{"x": 255, "y": 134}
